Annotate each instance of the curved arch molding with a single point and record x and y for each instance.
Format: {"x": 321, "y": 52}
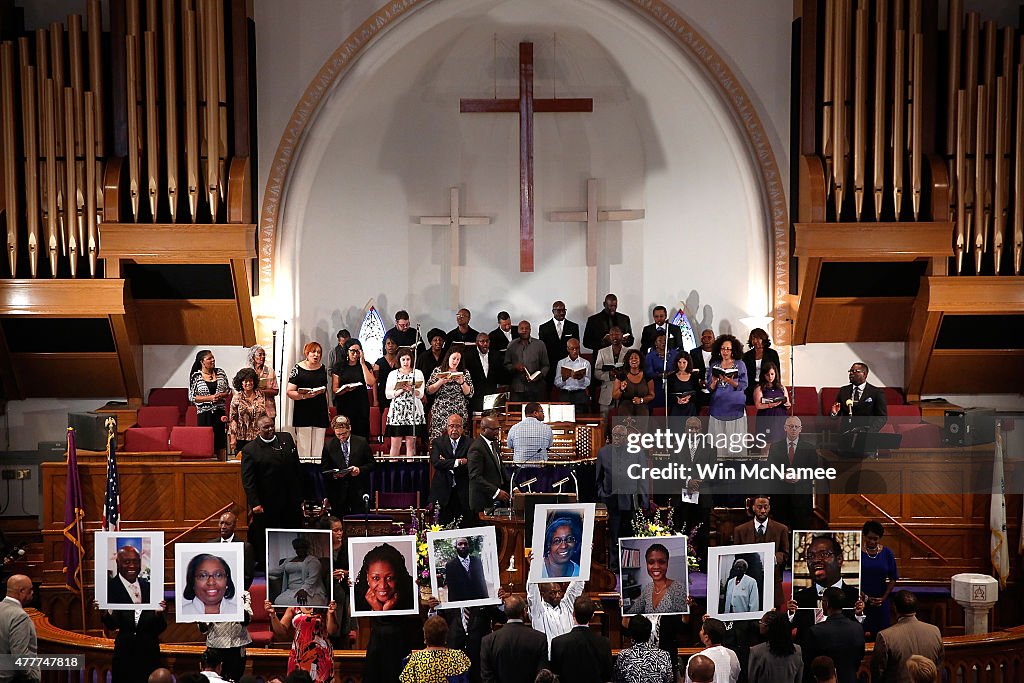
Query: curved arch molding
{"x": 684, "y": 35}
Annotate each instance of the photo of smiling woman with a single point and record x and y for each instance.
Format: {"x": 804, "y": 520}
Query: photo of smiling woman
{"x": 563, "y": 536}
{"x": 384, "y": 584}
{"x": 653, "y": 574}
{"x": 207, "y": 588}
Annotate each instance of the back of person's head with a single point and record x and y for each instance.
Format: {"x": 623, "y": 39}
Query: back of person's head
{"x": 922, "y": 670}
{"x": 435, "y": 631}
{"x": 515, "y": 607}
{"x": 161, "y": 675}
{"x": 832, "y": 599}
{"x": 545, "y": 676}
{"x": 248, "y": 678}
{"x": 583, "y": 609}
{"x": 905, "y": 602}
{"x": 211, "y": 659}
{"x": 779, "y": 633}
{"x": 639, "y": 629}
{"x": 701, "y": 669}
{"x": 714, "y": 629}
{"x": 299, "y": 676}
{"x": 823, "y": 669}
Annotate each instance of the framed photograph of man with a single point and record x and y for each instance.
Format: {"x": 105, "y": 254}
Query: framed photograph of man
{"x": 299, "y": 567}
{"x": 653, "y": 575}
{"x": 741, "y": 581}
{"x": 822, "y": 559}
{"x": 562, "y": 538}
{"x": 208, "y": 582}
{"x": 129, "y": 569}
{"x": 464, "y": 566}
{"x": 382, "y": 570}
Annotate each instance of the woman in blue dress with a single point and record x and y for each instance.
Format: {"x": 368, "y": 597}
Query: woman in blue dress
{"x": 878, "y": 576}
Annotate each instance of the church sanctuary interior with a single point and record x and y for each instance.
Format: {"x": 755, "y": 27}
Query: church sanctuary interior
{"x": 384, "y": 267}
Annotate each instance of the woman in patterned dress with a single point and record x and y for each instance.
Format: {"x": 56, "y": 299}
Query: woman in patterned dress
{"x": 267, "y": 378}
{"x": 209, "y": 391}
{"x": 247, "y": 406}
{"x": 449, "y": 394}
{"x": 309, "y": 630}
{"x": 405, "y": 389}
{"x": 436, "y": 663}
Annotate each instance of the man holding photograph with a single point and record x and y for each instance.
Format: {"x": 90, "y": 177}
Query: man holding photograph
{"x": 824, "y": 559}
{"x": 762, "y": 529}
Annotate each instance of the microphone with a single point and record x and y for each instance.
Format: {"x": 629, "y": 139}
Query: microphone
{"x": 561, "y": 482}
{"x": 849, "y": 406}
{"x": 528, "y": 482}
{"x": 366, "y": 501}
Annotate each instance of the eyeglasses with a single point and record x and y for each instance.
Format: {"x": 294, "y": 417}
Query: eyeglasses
{"x": 820, "y": 555}
{"x": 343, "y": 425}
{"x": 203, "y": 576}
{"x": 563, "y": 540}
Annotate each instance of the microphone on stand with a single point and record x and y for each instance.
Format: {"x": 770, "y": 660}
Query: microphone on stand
{"x": 527, "y": 484}
{"x": 560, "y": 483}
{"x": 849, "y": 406}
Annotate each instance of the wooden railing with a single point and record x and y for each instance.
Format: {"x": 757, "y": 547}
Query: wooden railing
{"x": 990, "y": 658}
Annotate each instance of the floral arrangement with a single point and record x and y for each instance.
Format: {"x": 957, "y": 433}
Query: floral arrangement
{"x": 660, "y": 523}
{"x": 422, "y": 521}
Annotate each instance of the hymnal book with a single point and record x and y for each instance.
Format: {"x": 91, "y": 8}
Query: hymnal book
{"x": 610, "y": 368}
{"x": 449, "y": 375}
{"x": 569, "y": 373}
{"x": 772, "y": 401}
{"x": 559, "y": 412}
{"x": 463, "y": 343}
{"x": 350, "y": 385}
{"x": 719, "y": 371}
{"x": 532, "y": 375}
{"x": 684, "y": 394}
{"x": 406, "y": 383}
{"x": 312, "y": 390}
{"x": 337, "y": 470}
{"x": 410, "y": 349}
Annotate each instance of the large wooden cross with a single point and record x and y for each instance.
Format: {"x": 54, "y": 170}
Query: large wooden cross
{"x": 592, "y": 216}
{"x": 453, "y": 220}
{"x": 525, "y": 105}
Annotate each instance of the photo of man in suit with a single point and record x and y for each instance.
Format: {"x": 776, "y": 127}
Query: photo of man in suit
{"x": 824, "y": 559}
{"x": 859, "y": 406}
{"x": 351, "y": 456}
{"x": 555, "y": 333}
{"x": 125, "y": 587}
{"x": 673, "y": 333}
{"x": 449, "y": 488}
{"x": 464, "y": 574}
{"x": 488, "y": 482}
{"x": 793, "y": 502}
{"x": 762, "y": 529}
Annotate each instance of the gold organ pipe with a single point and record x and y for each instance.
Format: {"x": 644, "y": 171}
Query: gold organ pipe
{"x": 42, "y": 73}
{"x": 962, "y": 236}
{"x": 78, "y": 164}
{"x": 1018, "y": 176}
{"x": 917, "y": 123}
{"x": 222, "y": 99}
{"x": 839, "y": 104}
{"x": 95, "y": 24}
{"x": 7, "y": 135}
{"x": 132, "y": 64}
{"x": 152, "y": 16}
{"x": 971, "y": 54}
{"x": 171, "y": 108}
{"x": 49, "y": 135}
{"x": 899, "y": 103}
{"x": 29, "y": 122}
{"x": 827, "y": 74}
{"x": 57, "y": 74}
{"x": 72, "y": 191}
{"x": 980, "y": 224}
{"x": 878, "y": 151}
{"x": 92, "y": 244}
{"x": 956, "y": 10}
{"x": 913, "y": 28}
{"x": 999, "y": 193}
{"x": 152, "y": 124}
{"x": 987, "y": 148}
{"x": 212, "y": 115}
{"x": 860, "y": 109}
{"x": 191, "y": 114}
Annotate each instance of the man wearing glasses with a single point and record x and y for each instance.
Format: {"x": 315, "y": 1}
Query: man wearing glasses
{"x": 347, "y": 462}
{"x": 825, "y": 565}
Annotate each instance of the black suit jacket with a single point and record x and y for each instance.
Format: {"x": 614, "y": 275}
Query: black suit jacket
{"x": 499, "y": 342}
{"x": 118, "y": 594}
{"x": 346, "y": 494}
{"x": 598, "y": 326}
{"x": 808, "y": 597}
{"x": 869, "y": 413}
{"x": 486, "y": 475}
{"x": 463, "y": 585}
{"x": 468, "y": 639}
{"x": 484, "y": 386}
{"x": 272, "y": 478}
{"x": 805, "y": 455}
{"x": 701, "y": 368}
{"x": 770, "y": 355}
{"x": 705, "y": 455}
{"x": 555, "y": 344}
{"x": 674, "y": 333}
{"x": 840, "y": 638}
{"x": 136, "y": 646}
{"x": 447, "y": 477}
{"x": 582, "y": 656}
{"x": 514, "y": 654}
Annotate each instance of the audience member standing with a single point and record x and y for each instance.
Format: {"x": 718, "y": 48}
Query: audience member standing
{"x": 248, "y": 405}
{"x": 793, "y": 505}
{"x": 778, "y": 660}
{"x": 502, "y": 335}
{"x": 761, "y": 529}
{"x": 526, "y": 360}
{"x": 351, "y": 376}
{"x": 878, "y": 576}
{"x": 405, "y": 416}
{"x": 908, "y": 636}
{"x": 382, "y": 368}
{"x": 209, "y": 391}
{"x": 673, "y": 333}
{"x": 451, "y": 386}
{"x": 449, "y": 487}
{"x": 643, "y": 662}
{"x": 755, "y": 358}
{"x": 606, "y": 366}
{"x": 572, "y": 377}
{"x": 137, "y": 643}
{"x": 488, "y": 481}
{"x": 613, "y": 461}
{"x": 581, "y": 655}
{"x": 595, "y": 335}
{"x": 839, "y": 637}
{"x": 349, "y": 488}
{"x": 516, "y": 652}
{"x": 462, "y": 332}
{"x": 701, "y": 670}
{"x": 436, "y": 662}
{"x": 556, "y": 333}
{"x": 226, "y": 534}
{"x": 308, "y": 385}
{"x": 268, "y": 384}
{"x": 551, "y": 606}
{"x": 727, "y": 382}
{"x": 405, "y": 334}
{"x": 487, "y": 368}
{"x": 727, "y": 664}
{"x": 17, "y": 632}
{"x": 273, "y": 484}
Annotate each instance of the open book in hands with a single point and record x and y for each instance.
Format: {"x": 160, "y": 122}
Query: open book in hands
{"x": 719, "y": 371}
{"x": 449, "y": 375}
{"x": 405, "y": 384}
{"x": 772, "y": 402}
{"x": 345, "y": 387}
{"x": 531, "y": 375}
{"x": 569, "y": 373}
{"x": 312, "y": 390}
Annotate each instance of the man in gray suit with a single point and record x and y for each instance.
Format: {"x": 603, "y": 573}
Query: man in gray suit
{"x": 17, "y": 632}
{"x": 908, "y": 636}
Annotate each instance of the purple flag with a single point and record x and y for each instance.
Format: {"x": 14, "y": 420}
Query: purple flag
{"x": 74, "y": 516}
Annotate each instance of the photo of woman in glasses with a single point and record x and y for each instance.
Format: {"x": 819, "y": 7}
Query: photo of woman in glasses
{"x": 562, "y": 545}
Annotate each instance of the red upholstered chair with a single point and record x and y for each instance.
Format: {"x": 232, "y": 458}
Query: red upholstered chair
{"x": 145, "y": 439}
{"x": 158, "y": 416}
{"x": 893, "y": 396}
{"x": 193, "y": 442}
{"x": 190, "y": 417}
{"x": 376, "y": 429}
{"x": 259, "y": 624}
{"x": 805, "y": 401}
{"x": 828, "y": 397}
{"x": 903, "y": 415}
{"x": 170, "y": 396}
{"x": 921, "y": 435}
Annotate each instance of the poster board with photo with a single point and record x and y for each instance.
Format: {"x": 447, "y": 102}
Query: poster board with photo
{"x": 643, "y": 562}
{"x": 563, "y": 536}
{"x": 209, "y": 580}
{"x": 297, "y": 577}
{"x": 451, "y": 582}
{"x": 141, "y": 556}
{"x": 382, "y": 570}
{"x": 815, "y": 560}
{"x": 741, "y": 581}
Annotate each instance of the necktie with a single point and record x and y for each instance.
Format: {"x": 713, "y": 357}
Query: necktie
{"x": 465, "y": 619}
{"x": 496, "y": 451}
{"x": 759, "y": 534}
{"x": 856, "y": 394}
{"x": 792, "y": 452}
{"x": 455, "y": 447}
{"x": 660, "y": 329}
{"x": 558, "y": 328}
{"x": 136, "y": 593}
{"x": 344, "y": 450}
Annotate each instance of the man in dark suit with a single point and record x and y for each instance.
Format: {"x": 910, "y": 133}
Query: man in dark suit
{"x": 126, "y": 588}
{"x": 516, "y": 652}
{"x": 273, "y": 483}
{"x": 346, "y": 488}
{"x": 595, "y": 336}
{"x": 449, "y": 487}
{"x": 464, "y": 574}
{"x": 137, "y": 643}
{"x": 468, "y": 626}
{"x": 838, "y": 637}
{"x": 859, "y": 406}
{"x": 555, "y": 333}
{"x": 825, "y": 565}
{"x": 701, "y": 356}
{"x": 502, "y": 335}
{"x": 612, "y": 462}
{"x": 581, "y": 655}
{"x": 761, "y": 529}
{"x": 793, "y": 501}
{"x": 488, "y": 482}
{"x": 226, "y": 526}
{"x": 673, "y": 333}
{"x": 698, "y": 450}
{"x": 486, "y": 367}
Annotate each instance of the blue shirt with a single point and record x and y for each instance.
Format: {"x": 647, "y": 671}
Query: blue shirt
{"x": 530, "y": 440}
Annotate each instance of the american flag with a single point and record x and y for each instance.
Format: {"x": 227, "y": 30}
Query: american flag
{"x": 74, "y": 514}
{"x": 112, "y": 500}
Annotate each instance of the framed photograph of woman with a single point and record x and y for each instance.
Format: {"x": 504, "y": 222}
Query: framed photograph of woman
{"x": 822, "y": 559}
{"x": 299, "y": 567}
{"x": 562, "y": 538}
{"x": 129, "y": 569}
{"x": 741, "y": 581}
{"x": 653, "y": 575}
{"x": 382, "y": 575}
{"x": 208, "y": 582}
{"x": 464, "y": 566}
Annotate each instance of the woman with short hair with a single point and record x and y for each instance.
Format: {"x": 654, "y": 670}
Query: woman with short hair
{"x": 436, "y": 663}
{"x": 248, "y": 405}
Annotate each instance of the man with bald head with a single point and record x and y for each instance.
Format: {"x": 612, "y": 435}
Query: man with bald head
{"x": 555, "y": 334}
{"x": 526, "y": 360}
{"x": 226, "y": 528}
{"x": 125, "y": 587}
{"x": 17, "y": 632}
{"x": 449, "y": 488}
{"x": 273, "y": 483}
{"x": 516, "y": 652}
{"x": 161, "y": 675}
{"x": 700, "y": 670}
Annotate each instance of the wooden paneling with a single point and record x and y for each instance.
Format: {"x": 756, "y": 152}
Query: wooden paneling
{"x": 864, "y": 319}
{"x": 873, "y": 241}
{"x": 178, "y": 243}
{"x": 975, "y": 294}
{"x": 968, "y": 371}
{"x": 62, "y": 298}
{"x": 72, "y": 375}
{"x": 191, "y": 321}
